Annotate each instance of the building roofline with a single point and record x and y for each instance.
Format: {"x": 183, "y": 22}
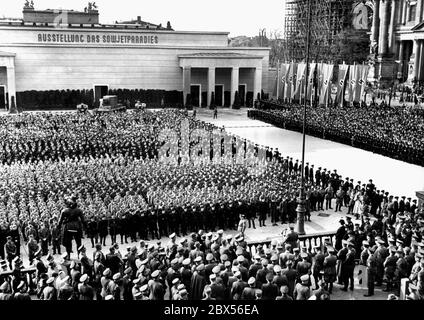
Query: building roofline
{"x": 219, "y": 55}
{"x": 173, "y": 47}
{"x": 102, "y": 27}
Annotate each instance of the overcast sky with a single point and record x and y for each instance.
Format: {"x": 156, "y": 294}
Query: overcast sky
{"x": 239, "y": 17}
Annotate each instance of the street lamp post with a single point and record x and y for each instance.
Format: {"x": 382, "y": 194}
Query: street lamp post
{"x": 301, "y": 207}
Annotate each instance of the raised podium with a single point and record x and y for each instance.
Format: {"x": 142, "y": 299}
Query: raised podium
{"x": 110, "y": 104}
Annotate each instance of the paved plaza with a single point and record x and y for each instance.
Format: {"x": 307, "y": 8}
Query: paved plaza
{"x": 320, "y": 152}
{"x": 397, "y": 177}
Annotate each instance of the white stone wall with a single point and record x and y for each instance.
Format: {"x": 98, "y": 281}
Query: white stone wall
{"x": 41, "y": 66}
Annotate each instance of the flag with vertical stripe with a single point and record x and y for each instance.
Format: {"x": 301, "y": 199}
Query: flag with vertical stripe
{"x": 326, "y": 84}
{"x": 287, "y": 83}
{"x": 310, "y": 92}
{"x": 301, "y": 71}
{"x": 343, "y": 68}
{"x": 292, "y": 79}
{"x": 282, "y": 75}
{"x": 353, "y": 85}
{"x": 363, "y": 81}
{"x": 275, "y": 84}
{"x": 320, "y": 77}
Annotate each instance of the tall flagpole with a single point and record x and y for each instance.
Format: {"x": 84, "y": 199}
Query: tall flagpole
{"x": 301, "y": 207}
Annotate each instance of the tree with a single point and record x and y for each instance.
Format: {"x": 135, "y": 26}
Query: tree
{"x": 351, "y": 46}
{"x": 236, "y": 104}
{"x": 212, "y": 106}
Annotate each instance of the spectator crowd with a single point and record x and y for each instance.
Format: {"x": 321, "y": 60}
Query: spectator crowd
{"x": 109, "y": 167}
{"x": 396, "y": 132}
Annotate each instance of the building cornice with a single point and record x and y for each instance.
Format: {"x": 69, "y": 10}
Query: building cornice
{"x": 105, "y": 28}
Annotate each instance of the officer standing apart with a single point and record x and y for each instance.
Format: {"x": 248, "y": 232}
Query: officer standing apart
{"x": 72, "y": 222}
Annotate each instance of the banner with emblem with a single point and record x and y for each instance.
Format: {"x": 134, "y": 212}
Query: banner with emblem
{"x": 275, "y": 84}
{"x": 327, "y": 76}
{"x": 363, "y": 80}
{"x": 354, "y": 75}
{"x": 310, "y": 92}
{"x": 301, "y": 71}
{"x": 343, "y": 69}
{"x": 287, "y": 83}
{"x": 320, "y": 77}
{"x": 292, "y": 79}
{"x": 282, "y": 79}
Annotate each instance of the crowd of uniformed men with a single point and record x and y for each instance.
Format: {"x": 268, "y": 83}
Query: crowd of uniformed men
{"x": 120, "y": 187}
{"x": 396, "y": 132}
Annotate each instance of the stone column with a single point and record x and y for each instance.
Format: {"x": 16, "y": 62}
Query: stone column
{"x": 400, "y": 58}
{"x": 416, "y": 53}
{"x": 186, "y": 82}
{"x": 11, "y": 84}
{"x": 394, "y": 9}
{"x": 234, "y": 83}
{"x": 407, "y": 13}
{"x": 375, "y": 23}
{"x": 257, "y": 85}
{"x": 399, "y": 12}
{"x": 404, "y": 10}
{"x": 419, "y": 58}
{"x": 418, "y": 13}
{"x": 384, "y": 26}
{"x": 211, "y": 84}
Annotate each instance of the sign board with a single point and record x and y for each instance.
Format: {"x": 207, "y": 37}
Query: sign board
{"x": 360, "y": 17}
{"x": 362, "y": 276}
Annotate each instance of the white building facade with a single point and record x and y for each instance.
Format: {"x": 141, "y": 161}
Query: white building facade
{"x": 47, "y": 56}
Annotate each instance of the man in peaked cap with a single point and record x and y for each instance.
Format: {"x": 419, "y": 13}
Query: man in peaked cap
{"x": 330, "y": 269}
{"x": 249, "y": 292}
{"x": 371, "y": 272}
{"x": 318, "y": 264}
{"x": 49, "y": 292}
{"x": 341, "y": 256}
{"x": 302, "y": 291}
{"x": 381, "y": 253}
{"x": 198, "y": 283}
{"x": 66, "y": 291}
{"x": 157, "y": 290}
{"x": 340, "y": 234}
{"x": 303, "y": 267}
{"x": 349, "y": 267}
{"x": 86, "y": 292}
{"x": 10, "y": 250}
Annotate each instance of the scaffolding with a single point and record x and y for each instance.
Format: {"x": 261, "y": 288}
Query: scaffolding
{"x": 328, "y": 18}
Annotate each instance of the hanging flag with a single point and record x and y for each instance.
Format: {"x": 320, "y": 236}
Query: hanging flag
{"x": 353, "y": 83}
{"x": 311, "y": 81}
{"x": 320, "y": 77}
{"x": 326, "y": 84}
{"x": 292, "y": 79}
{"x": 287, "y": 82}
{"x": 301, "y": 70}
{"x": 275, "y": 85}
{"x": 363, "y": 81}
{"x": 343, "y": 68}
{"x": 282, "y": 75}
